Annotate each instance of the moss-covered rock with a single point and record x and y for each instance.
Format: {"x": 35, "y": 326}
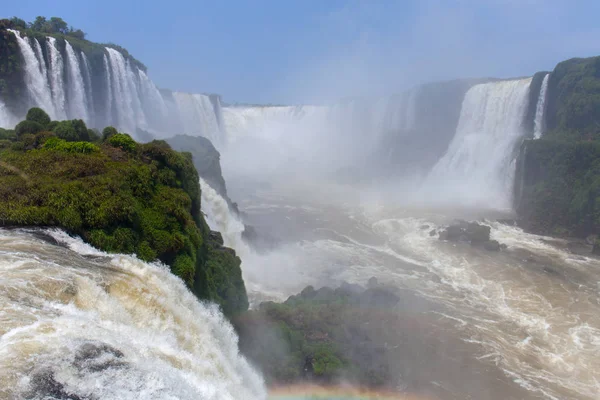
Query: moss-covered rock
{"x": 573, "y": 103}
{"x": 560, "y": 187}
{"x": 318, "y": 335}
{"x": 120, "y": 196}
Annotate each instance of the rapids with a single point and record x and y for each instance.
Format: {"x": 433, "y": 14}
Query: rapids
{"x": 81, "y": 324}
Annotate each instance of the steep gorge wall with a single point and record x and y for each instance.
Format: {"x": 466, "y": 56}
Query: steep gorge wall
{"x": 558, "y": 181}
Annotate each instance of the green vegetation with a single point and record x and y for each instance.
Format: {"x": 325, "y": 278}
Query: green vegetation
{"x": 561, "y": 187}
{"x": 558, "y": 176}
{"x": 319, "y": 335}
{"x": 573, "y": 106}
{"x": 12, "y": 76}
{"x": 118, "y": 195}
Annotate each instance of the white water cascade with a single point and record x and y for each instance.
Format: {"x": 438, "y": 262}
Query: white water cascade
{"x": 198, "y": 116}
{"x": 36, "y": 80}
{"x": 479, "y": 165}
{"x": 220, "y": 218}
{"x": 538, "y": 122}
{"x": 56, "y": 79}
{"x": 6, "y": 118}
{"x": 79, "y": 323}
{"x": 87, "y": 74}
{"x": 122, "y": 97}
{"x": 77, "y": 98}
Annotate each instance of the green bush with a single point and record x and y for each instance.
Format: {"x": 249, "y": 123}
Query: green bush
{"x": 28, "y": 127}
{"x": 38, "y": 115}
{"x": 54, "y": 143}
{"x": 122, "y": 141}
{"x": 72, "y": 131}
{"x": 108, "y": 132}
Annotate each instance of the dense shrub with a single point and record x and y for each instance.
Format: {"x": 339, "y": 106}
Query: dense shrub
{"x": 72, "y": 131}
{"x": 28, "y": 127}
{"x": 108, "y": 132}
{"x": 122, "y": 141}
{"x": 38, "y": 115}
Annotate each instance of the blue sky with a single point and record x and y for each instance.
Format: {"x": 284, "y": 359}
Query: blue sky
{"x": 284, "y": 51}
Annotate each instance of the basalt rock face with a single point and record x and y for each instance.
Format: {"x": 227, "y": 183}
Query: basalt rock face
{"x": 206, "y": 159}
{"x": 557, "y": 185}
{"x": 470, "y": 232}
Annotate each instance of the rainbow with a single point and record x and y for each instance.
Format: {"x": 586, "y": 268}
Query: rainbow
{"x": 313, "y": 392}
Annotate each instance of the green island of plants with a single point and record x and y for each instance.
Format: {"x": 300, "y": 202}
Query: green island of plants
{"x": 323, "y": 335}
{"x": 118, "y": 195}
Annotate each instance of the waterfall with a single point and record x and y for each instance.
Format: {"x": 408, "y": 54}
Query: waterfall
{"x": 79, "y": 323}
{"x": 109, "y": 94}
{"x": 153, "y": 103}
{"x": 120, "y": 91}
{"x": 39, "y": 54}
{"x": 6, "y": 119}
{"x": 77, "y": 95}
{"x": 36, "y": 80}
{"x": 479, "y": 165}
{"x": 538, "y": 122}
{"x": 56, "y": 78}
{"x": 220, "y": 218}
{"x": 198, "y": 117}
{"x": 87, "y": 74}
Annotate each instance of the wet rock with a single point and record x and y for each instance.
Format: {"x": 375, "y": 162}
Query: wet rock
{"x": 95, "y": 357}
{"x": 432, "y": 232}
{"x": 491, "y": 245}
{"x": 379, "y": 297}
{"x": 216, "y": 237}
{"x": 349, "y": 289}
{"x": 507, "y": 221}
{"x": 503, "y": 246}
{"x": 591, "y": 239}
{"x": 596, "y": 249}
{"x": 45, "y": 386}
{"x": 424, "y": 227}
{"x": 373, "y": 282}
{"x": 463, "y": 231}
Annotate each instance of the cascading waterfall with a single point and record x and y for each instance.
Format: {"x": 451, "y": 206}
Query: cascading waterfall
{"x": 220, "y": 217}
{"x": 6, "y": 118}
{"x": 153, "y": 103}
{"x": 109, "y": 94}
{"x": 198, "y": 116}
{"x": 77, "y": 96}
{"x": 78, "y": 323}
{"x": 87, "y": 74}
{"x": 122, "y": 96}
{"x": 37, "y": 83}
{"x": 57, "y": 79}
{"x": 478, "y": 168}
{"x": 538, "y": 122}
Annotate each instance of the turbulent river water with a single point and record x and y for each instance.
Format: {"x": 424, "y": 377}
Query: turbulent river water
{"x": 518, "y": 324}
{"x": 78, "y": 324}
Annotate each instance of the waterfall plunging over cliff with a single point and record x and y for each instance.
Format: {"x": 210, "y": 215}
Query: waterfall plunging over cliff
{"x": 56, "y": 79}
{"x": 36, "y": 78}
{"x": 478, "y": 168}
{"x": 107, "y": 88}
{"x": 79, "y": 323}
{"x": 77, "y": 95}
{"x": 538, "y": 122}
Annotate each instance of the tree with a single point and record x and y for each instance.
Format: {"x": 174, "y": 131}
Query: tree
{"x": 78, "y": 34}
{"x": 38, "y": 115}
{"x": 39, "y": 24}
{"x": 58, "y": 25}
{"x": 18, "y": 23}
